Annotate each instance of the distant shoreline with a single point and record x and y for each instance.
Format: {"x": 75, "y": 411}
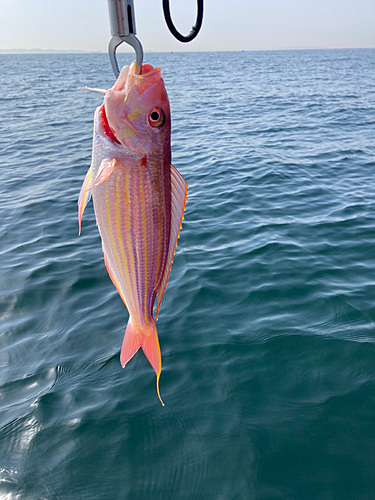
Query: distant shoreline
{"x": 74, "y": 51}
{"x": 50, "y": 51}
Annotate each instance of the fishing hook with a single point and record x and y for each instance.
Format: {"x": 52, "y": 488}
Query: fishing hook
{"x": 122, "y": 22}
{"x": 195, "y": 29}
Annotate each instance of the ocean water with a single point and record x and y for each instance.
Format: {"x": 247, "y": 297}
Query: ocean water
{"x": 267, "y": 327}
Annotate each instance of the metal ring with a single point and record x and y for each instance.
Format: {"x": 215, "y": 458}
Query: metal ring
{"x": 195, "y": 29}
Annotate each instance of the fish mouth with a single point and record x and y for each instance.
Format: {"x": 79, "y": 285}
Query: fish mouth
{"x": 129, "y": 79}
{"x": 148, "y": 71}
{"x": 141, "y": 82}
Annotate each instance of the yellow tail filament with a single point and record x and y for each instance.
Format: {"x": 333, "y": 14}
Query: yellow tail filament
{"x": 157, "y": 389}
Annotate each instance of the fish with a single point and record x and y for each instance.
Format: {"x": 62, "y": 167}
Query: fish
{"x": 139, "y": 201}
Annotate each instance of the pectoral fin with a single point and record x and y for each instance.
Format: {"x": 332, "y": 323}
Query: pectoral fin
{"x": 84, "y": 196}
{"x": 179, "y": 196}
{"x": 105, "y": 169}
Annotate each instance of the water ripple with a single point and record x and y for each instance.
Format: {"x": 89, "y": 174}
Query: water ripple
{"x": 267, "y": 325}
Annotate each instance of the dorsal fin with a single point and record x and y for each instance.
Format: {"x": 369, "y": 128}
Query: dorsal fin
{"x": 179, "y": 190}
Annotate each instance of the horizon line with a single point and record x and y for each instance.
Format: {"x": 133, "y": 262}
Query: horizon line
{"x": 80, "y": 51}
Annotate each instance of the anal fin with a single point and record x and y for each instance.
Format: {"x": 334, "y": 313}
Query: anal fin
{"x": 114, "y": 279}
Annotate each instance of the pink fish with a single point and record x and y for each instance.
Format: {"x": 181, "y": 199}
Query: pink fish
{"x": 139, "y": 200}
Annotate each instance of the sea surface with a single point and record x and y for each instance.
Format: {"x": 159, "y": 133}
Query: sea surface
{"x": 267, "y": 327}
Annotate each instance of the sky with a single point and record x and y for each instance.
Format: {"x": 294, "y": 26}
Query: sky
{"x": 227, "y": 24}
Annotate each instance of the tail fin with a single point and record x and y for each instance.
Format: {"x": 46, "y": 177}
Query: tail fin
{"x": 147, "y": 338}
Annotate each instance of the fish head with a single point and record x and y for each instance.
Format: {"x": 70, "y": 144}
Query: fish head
{"x": 138, "y": 112}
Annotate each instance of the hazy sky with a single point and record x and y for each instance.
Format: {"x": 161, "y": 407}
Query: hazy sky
{"x": 227, "y": 24}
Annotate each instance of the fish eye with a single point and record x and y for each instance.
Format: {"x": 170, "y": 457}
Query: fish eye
{"x": 156, "y": 117}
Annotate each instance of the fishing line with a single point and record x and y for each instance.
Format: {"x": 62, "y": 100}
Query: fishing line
{"x": 195, "y": 29}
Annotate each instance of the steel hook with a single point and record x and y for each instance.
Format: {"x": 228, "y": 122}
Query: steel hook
{"x": 122, "y": 22}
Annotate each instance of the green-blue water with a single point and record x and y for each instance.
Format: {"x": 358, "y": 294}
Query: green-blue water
{"x": 267, "y": 326}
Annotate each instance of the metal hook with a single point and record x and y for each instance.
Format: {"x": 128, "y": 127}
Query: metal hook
{"x": 122, "y": 22}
